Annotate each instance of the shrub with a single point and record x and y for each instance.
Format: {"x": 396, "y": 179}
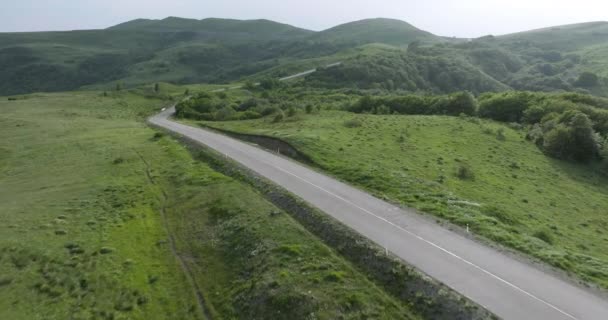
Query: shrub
{"x": 381, "y": 109}
{"x": 572, "y": 138}
{"x": 270, "y": 110}
{"x": 5, "y": 281}
{"x": 353, "y": 123}
{"x": 106, "y": 250}
{"x": 291, "y": 250}
{"x": 270, "y": 83}
{"x": 279, "y": 116}
{"x": 309, "y": 108}
{"x": 291, "y": 111}
{"x": 497, "y": 213}
{"x": 534, "y": 114}
{"x": 506, "y": 107}
{"x": 500, "y": 134}
{"x": 226, "y": 113}
{"x": 465, "y": 172}
{"x": 250, "y": 85}
{"x": 544, "y": 235}
{"x": 587, "y": 80}
{"x": 335, "y": 276}
{"x": 248, "y": 115}
{"x": 248, "y": 104}
{"x": 604, "y": 155}
{"x": 461, "y": 103}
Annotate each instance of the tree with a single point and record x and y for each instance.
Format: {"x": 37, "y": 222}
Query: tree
{"x": 226, "y": 113}
{"x": 572, "y": 138}
{"x": 279, "y": 116}
{"x": 118, "y": 86}
{"x": 309, "y": 108}
{"x": 534, "y": 114}
{"x": 250, "y": 85}
{"x": 156, "y": 87}
{"x": 506, "y": 107}
{"x": 587, "y": 80}
{"x": 269, "y": 83}
{"x": 604, "y": 154}
{"x": 461, "y": 102}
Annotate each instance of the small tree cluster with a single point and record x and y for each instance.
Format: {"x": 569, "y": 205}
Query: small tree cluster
{"x": 587, "y": 80}
{"x": 465, "y": 172}
{"x": 570, "y": 137}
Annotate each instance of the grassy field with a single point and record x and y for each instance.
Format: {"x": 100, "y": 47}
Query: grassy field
{"x": 469, "y": 171}
{"x": 99, "y": 213}
{"x": 80, "y": 228}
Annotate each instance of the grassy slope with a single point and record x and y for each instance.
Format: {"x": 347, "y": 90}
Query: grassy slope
{"x": 388, "y": 31}
{"x": 549, "y": 209}
{"x": 61, "y": 187}
{"x": 83, "y": 185}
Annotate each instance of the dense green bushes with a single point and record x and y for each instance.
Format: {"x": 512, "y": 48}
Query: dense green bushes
{"x": 569, "y": 126}
{"x": 604, "y": 154}
{"x": 455, "y": 104}
{"x": 506, "y": 107}
{"x": 221, "y": 107}
{"x": 565, "y": 126}
{"x": 570, "y": 137}
{"x": 415, "y": 71}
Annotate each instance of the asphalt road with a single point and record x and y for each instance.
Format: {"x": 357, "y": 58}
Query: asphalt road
{"x": 509, "y": 288}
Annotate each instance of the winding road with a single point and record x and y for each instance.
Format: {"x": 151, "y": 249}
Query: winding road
{"x": 509, "y": 288}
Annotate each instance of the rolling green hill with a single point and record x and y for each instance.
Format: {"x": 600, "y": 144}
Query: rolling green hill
{"x": 177, "y": 50}
{"x": 567, "y": 58}
{"x": 388, "y": 31}
{"x": 217, "y": 29}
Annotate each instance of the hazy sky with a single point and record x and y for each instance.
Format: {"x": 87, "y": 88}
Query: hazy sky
{"x": 462, "y": 18}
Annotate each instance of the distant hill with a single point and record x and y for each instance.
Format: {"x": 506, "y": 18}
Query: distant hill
{"x": 567, "y": 37}
{"x": 563, "y": 58}
{"x": 387, "y": 31}
{"x": 212, "y": 28}
{"x": 221, "y": 50}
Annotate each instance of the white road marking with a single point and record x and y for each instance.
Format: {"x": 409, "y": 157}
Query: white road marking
{"x": 431, "y": 243}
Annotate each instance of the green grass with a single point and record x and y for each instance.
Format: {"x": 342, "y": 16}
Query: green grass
{"x": 80, "y": 222}
{"x": 463, "y": 170}
{"x": 88, "y": 194}
{"x": 255, "y": 261}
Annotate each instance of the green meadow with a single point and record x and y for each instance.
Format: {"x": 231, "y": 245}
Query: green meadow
{"x": 468, "y": 171}
{"x": 103, "y": 217}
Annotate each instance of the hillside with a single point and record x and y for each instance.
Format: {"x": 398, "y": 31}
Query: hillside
{"x": 561, "y": 38}
{"x": 387, "y": 68}
{"x": 387, "y": 31}
{"x": 184, "y": 51}
{"x": 568, "y": 58}
{"x": 217, "y": 29}
{"x": 513, "y": 167}
{"x": 97, "y": 214}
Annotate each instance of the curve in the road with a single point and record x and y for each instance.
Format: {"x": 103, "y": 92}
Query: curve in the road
{"x": 507, "y": 287}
